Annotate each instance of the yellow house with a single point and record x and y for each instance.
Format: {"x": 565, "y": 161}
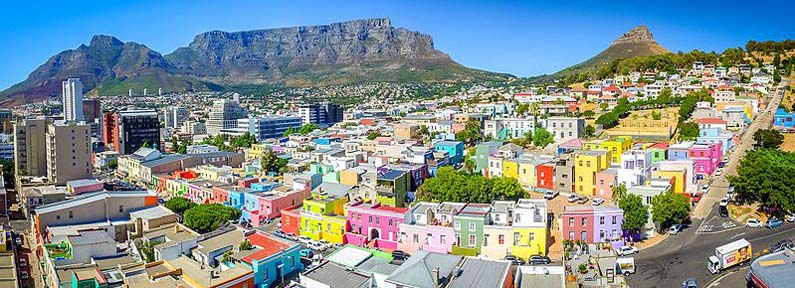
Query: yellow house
{"x": 350, "y": 176}
{"x": 510, "y": 168}
{"x": 256, "y": 151}
{"x": 314, "y": 212}
{"x": 616, "y": 146}
{"x": 334, "y": 228}
{"x": 587, "y": 164}
{"x": 678, "y": 177}
{"x": 527, "y": 173}
{"x": 529, "y": 231}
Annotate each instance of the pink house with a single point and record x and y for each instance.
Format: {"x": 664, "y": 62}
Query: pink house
{"x": 707, "y": 157}
{"x": 374, "y": 225}
{"x": 220, "y": 195}
{"x": 429, "y": 227}
{"x": 605, "y": 181}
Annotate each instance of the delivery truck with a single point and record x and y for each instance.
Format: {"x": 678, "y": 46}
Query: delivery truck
{"x": 625, "y": 265}
{"x": 728, "y": 255}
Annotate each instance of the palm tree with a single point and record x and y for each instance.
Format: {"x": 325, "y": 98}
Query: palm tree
{"x": 619, "y": 191}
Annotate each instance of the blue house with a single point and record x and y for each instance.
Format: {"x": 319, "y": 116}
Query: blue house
{"x": 784, "y": 119}
{"x": 679, "y": 151}
{"x": 270, "y": 258}
{"x": 237, "y": 197}
{"x": 454, "y": 148}
{"x": 712, "y": 135}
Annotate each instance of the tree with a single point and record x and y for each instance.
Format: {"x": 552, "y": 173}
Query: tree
{"x": 204, "y": 218}
{"x": 589, "y": 131}
{"x": 8, "y": 172}
{"x": 147, "y": 250}
{"x": 469, "y": 164}
{"x": 272, "y": 163}
{"x": 307, "y": 128}
{"x": 522, "y": 109}
{"x": 542, "y": 137}
{"x": 179, "y": 205}
{"x": 182, "y": 148}
{"x": 768, "y": 138}
{"x": 459, "y": 186}
{"x": 635, "y": 214}
{"x": 619, "y": 191}
{"x": 603, "y": 106}
{"x": 589, "y": 114}
{"x": 765, "y": 176}
{"x": 372, "y": 135}
{"x": 669, "y": 208}
{"x": 688, "y": 131}
{"x": 244, "y": 245}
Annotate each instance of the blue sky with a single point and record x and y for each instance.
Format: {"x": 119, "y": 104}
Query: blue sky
{"x": 523, "y": 38}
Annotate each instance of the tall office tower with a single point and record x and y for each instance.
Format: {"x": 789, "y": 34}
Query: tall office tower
{"x": 30, "y": 150}
{"x": 92, "y": 109}
{"x": 68, "y": 151}
{"x": 6, "y": 120}
{"x": 72, "y": 99}
{"x": 224, "y": 115}
{"x": 174, "y": 117}
{"x": 127, "y": 131}
{"x": 322, "y": 114}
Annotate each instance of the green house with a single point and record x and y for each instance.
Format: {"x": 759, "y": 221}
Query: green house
{"x": 391, "y": 187}
{"x": 658, "y": 152}
{"x": 468, "y": 227}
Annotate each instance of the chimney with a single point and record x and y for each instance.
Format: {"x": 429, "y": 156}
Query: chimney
{"x": 436, "y": 275}
{"x": 176, "y": 228}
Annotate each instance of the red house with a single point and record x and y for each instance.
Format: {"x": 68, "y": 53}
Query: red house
{"x": 545, "y": 176}
{"x": 291, "y": 219}
{"x": 577, "y": 222}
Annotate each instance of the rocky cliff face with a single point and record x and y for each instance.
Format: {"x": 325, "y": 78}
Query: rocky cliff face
{"x": 640, "y": 34}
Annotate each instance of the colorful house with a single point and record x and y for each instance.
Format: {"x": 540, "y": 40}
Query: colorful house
{"x": 679, "y": 151}
{"x": 261, "y": 206}
{"x": 429, "y": 227}
{"x": 529, "y": 228}
{"x": 716, "y": 135}
{"x": 615, "y": 146}
{"x": 453, "y": 148}
{"x": 707, "y": 157}
{"x": 593, "y": 224}
{"x": 658, "y": 152}
{"x": 391, "y": 187}
{"x": 270, "y": 258}
{"x": 468, "y": 227}
{"x": 605, "y": 182}
{"x": 498, "y": 233}
{"x": 545, "y": 176}
{"x": 375, "y": 225}
{"x": 482, "y": 153}
{"x": 588, "y": 163}
{"x": 327, "y": 200}
{"x": 291, "y": 219}
{"x": 784, "y": 119}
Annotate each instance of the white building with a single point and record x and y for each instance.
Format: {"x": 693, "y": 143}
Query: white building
{"x": 72, "y": 99}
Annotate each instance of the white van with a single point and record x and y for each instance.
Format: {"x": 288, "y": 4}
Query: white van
{"x": 625, "y": 265}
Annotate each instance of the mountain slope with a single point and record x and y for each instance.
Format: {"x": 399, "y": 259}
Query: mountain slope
{"x": 636, "y": 42}
{"x": 340, "y": 53}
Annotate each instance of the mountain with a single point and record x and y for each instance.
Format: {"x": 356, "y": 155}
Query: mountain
{"x": 636, "y": 42}
{"x": 339, "y": 53}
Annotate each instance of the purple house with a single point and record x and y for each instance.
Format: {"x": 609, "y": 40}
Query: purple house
{"x": 374, "y": 225}
{"x": 707, "y": 157}
{"x": 429, "y": 227}
{"x": 606, "y": 225}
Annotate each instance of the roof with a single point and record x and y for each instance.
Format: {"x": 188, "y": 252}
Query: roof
{"x": 333, "y": 189}
{"x": 540, "y": 276}
{"x": 663, "y": 146}
{"x": 391, "y": 174}
{"x": 481, "y": 273}
{"x": 267, "y": 244}
{"x": 151, "y": 212}
{"x": 82, "y": 182}
{"x": 231, "y": 238}
{"x": 573, "y": 143}
{"x": 711, "y": 121}
{"x": 775, "y": 269}
{"x": 417, "y": 270}
{"x": 349, "y": 257}
{"x": 88, "y": 198}
{"x": 336, "y": 276}
{"x": 201, "y": 274}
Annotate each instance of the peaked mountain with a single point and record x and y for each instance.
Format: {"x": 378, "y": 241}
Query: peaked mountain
{"x": 636, "y": 42}
{"x": 339, "y": 53}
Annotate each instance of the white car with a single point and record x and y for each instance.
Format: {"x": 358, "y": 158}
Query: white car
{"x": 317, "y": 246}
{"x": 325, "y": 243}
{"x": 627, "y": 250}
{"x": 597, "y": 201}
{"x": 791, "y": 217}
{"x": 724, "y": 201}
{"x": 304, "y": 239}
{"x": 551, "y": 194}
{"x": 572, "y": 198}
{"x": 753, "y": 223}
{"x": 705, "y": 189}
{"x": 718, "y": 172}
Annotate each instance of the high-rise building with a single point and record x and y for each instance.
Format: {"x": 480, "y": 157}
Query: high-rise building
{"x": 322, "y": 114}
{"x": 30, "y": 147}
{"x": 266, "y": 127}
{"x": 68, "y": 151}
{"x": 6, "y": 118}
{"x": 224, "y": 115}
{"x": 92, "y": 109}
{"x": 127, "y": 131}
{"x": 174, "y": 117}
{"x": 194, "y": 128}
{"x": 72, "y": 99}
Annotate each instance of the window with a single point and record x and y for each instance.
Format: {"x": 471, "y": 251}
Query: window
{"x": 121, "y": 208}
{"x": 584, "y": 221}
{"x": 571, "y": 221}
{"x": 601, "y": 234}
{"x": 584, "y": 236}
{"x": 442, "y": 239}
{"x": 614, "y": 219}
{"x": 457, "y": 225}
{"x": 71, "y": 215}
{"x": 370, "y": 219}
{"x": 328, "y": 227}
{"x": 377, "y": 220}
{"x": 416, "y": 238}
{"x": 58, "y": 217}
{"x": 390, "y": 222}
{"x": 588, "y": 164}
{"x": 428, "y": 238}
{"x": 602, "y": 220}
{"x": 472, "y": 240}
{"x": 471, "y": 226}
{"x": 516, "y": 238}
{"x": 532, "y": 236}
{"x": 501, "y": 239}
{"x": 571, "y": 235}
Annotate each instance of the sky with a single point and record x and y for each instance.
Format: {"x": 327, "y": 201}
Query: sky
{"x": 524, "y": 38}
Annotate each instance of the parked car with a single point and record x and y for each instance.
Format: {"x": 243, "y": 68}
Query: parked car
{"x": 325, "y": 243}
{"x": 597, "y": 201}
{"x": 290, "y": 236}
{"x": 572, "y": 198}
{"x": 317, "y": 246}
{"x": 719, "y": 172}
{"x": 306, "y": 253}
{"x": 18, "y": 240}
{"x": 538, "y": 260}
{"x": 400, "y": 255}
{"x": 690, "y": 283}
{"x": 551, "y": 194}
{"x": 279, "y": 233}
{"x": 582, "y": 200}
{"x": 753, "y": 223}
{"x": 514, "y": 260}
{"x": 675, "y": 229}
{"x": 627, "y": 250}
{"x": 773, "y": 222}
{"x": 705, "y": 189}
{"x": 786, "y": 243}
{"x": 25, "y": 275}
{"x": 23, "y": 262}
{"x": 791, "y": 217}
{"x": 304, "y": 239}
{"x": 724, "y": 201}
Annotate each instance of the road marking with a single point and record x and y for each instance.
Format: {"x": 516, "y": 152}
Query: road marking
{"x": 738, "y": 235}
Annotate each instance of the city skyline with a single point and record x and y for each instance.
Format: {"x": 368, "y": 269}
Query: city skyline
{"x": 523, "y": 39}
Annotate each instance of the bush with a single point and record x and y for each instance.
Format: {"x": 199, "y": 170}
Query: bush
{"x": 204, "y": 218}
{"x": 179, "y": 205}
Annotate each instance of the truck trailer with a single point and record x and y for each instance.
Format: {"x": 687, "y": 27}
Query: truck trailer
{"x": 728, "y": 255}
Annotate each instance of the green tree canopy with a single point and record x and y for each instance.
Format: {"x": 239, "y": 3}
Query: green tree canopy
{"x": 635, "y": 214}
{"x": 204, "y": 218}
{"x": 768, "y": 138}
{"x": 542, "y": 137}
{"x": 458, "y": 186}
{"x": 272, "y": 163}
{"x": 179, "y": 205}
{"x": 688, "y": 131}
{"x": 669, "y": 208}
{"x": 765, "y": 176}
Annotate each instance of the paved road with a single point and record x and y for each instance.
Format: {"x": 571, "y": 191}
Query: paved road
{"x": 682, "y": 256}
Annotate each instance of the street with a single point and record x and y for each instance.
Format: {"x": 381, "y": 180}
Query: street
{"x": 684, "y": 256}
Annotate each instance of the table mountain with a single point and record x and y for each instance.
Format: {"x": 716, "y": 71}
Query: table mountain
{"x": 339, "y": 53}
{"x": 636, "y": 42}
